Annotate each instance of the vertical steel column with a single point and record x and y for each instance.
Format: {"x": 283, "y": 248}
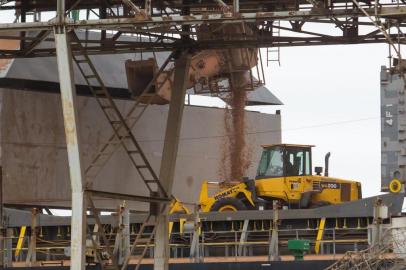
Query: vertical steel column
{"x": 8, "y": 262}
{"x": 60, "y": 11}
{"x": 195, "y": 244}
{"x": 68, "y": 96}
{"x": 122, "y": 243}
{"x": 118, "y": 239}
{"x": 32, "y": 247}
{"x": 243, "y": 238}
{"x": 380, "y": 213}
{"x": 2, "y": 231}
{"x": 236, "y": 6}
{"x": 148, "y": 7}
{"x": 126, "y": 245}
{"x": 169, "y": 154}
{"x": 274, "y": 242}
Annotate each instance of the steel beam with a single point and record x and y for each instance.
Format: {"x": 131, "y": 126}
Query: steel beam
{"x": 255, "y": 42}
{"x": 169, "y": 154}
{"x": 115, "y": 24}
{"x": 68, "y": 97}
{"x": 131, "y": 5}
{"x": 39, "y": 38}
{"x": 128, "y": 197}
{"x": 359, "y": 209}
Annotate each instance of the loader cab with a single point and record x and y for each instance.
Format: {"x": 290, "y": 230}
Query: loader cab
{"x": 282, "y": 160}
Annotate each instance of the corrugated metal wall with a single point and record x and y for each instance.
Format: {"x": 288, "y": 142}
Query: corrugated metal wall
{"x": 34, "y": 155}
{"x": 393, "y": 128}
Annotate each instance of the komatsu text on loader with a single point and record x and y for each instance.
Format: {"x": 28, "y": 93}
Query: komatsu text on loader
{"x": 284, "y": 174}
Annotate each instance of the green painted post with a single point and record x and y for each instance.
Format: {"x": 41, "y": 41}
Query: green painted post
{"x": 298, "y": 247}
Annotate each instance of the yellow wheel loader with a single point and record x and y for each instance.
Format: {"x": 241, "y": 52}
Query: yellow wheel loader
{"x": 284, "y": 174}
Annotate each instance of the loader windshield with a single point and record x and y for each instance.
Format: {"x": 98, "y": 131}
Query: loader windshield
{"x": 271, "y": 164}
{"x": 281, "y": 161}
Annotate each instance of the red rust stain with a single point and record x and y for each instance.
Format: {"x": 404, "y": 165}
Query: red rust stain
{"x": 6, "y": 44}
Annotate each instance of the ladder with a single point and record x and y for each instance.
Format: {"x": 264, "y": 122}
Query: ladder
{"x": 273, "y": 54}
{"x": 122, "y": 136}
{"x": 142, "y": 241}
{"x": 133, "y": 115}
{"x": 121, "y": 125}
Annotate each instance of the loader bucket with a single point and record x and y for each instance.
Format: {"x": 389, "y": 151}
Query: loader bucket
{"x": 139, "y": 75}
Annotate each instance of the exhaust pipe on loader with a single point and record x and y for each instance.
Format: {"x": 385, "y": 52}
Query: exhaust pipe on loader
{"x": 326, "y": 159}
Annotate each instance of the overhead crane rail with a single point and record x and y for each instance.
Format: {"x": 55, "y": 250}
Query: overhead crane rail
{"x": 161, "y": 27}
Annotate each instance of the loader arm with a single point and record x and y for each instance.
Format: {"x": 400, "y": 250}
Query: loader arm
{"x": 206, "y": 201}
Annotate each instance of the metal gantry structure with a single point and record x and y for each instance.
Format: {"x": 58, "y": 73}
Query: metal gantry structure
{"x": 173, "y": 25}
{"x": 183, "y": 27}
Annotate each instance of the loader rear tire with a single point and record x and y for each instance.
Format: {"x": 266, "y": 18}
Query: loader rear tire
{"x": 228, "y": 204}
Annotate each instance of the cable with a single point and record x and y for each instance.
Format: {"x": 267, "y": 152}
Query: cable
{"x": 275, "y": 130}
{"x": 216, "y": 136}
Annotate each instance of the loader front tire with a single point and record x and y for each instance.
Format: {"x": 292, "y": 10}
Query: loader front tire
{"x": 228, "y": 205}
